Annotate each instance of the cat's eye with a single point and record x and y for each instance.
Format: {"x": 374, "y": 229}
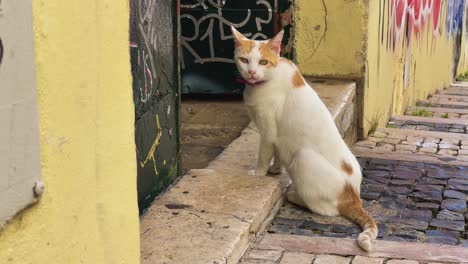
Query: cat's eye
{"x": 263, "y": 62}
{"x": 244, "y": 60}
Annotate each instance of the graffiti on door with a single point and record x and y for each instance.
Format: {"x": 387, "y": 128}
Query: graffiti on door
{"x": 207, "y": 43}
{"x": 203, "y": 28}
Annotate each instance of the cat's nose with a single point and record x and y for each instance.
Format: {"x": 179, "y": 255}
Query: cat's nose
{"x": 252, "y": 72}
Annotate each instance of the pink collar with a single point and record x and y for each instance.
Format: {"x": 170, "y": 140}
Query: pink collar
{"x": 244, "y": 81}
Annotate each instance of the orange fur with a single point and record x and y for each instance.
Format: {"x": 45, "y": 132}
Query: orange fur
{"x": 242, "y": 43}
{"x": 245, "y": 45}
{"x": 268, "y": 54}
{"x": 347, "y": 168}
{"x": 298, "y": 80}
{"x": 350, "y": 206}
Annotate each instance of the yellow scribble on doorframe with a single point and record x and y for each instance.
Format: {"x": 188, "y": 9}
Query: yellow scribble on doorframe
{"x": 152, "y": 151}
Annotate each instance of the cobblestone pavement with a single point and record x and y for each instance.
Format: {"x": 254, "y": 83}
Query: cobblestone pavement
{"x": 412, "y": 202}
{"x": 401, "y": 141}
{"x": 415, "y": 185}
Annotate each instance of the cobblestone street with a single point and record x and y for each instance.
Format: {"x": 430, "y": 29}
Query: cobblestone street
{"x": 415, "y": 185}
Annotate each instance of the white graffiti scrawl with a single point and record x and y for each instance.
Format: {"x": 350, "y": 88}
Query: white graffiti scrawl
{"x": 205, "y": 26}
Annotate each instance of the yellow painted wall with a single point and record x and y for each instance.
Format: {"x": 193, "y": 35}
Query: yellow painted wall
{"x": 88, "y": 213}
{"x": 391, "y": 86}
{"x": 354, "y": 39}
{"x": 463, "y": 63}
{"x": 330, "y": 37}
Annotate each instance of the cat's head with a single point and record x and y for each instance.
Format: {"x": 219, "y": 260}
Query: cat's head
{"x": 256, "y": 59}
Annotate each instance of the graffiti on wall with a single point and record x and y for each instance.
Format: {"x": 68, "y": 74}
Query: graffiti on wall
{"x": 408, "y": 20}
{"x": 454, "y": 17}
{"x": 409, "y": 17}
{"x": 145, "y": 83}
{"x": 154, "y": 65}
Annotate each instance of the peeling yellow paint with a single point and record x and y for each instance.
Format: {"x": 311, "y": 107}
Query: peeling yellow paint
{"x": 152, "y": 151}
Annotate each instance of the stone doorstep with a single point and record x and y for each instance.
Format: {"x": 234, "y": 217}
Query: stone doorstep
{"x": 211, "y": 215}
{"x": 381, "y": 249}
{"x": 339, "y": 97}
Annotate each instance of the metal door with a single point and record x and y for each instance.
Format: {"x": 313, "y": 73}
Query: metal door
{"x": 207, "y": 44}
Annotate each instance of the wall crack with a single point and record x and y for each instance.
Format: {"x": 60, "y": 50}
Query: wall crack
{"x": 324, "y": 31}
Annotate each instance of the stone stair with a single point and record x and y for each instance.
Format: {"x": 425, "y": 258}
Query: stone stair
{"x": 434, "y": 131}
{"x": 212, "y": 215}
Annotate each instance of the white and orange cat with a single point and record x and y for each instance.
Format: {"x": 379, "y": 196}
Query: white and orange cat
{"x": 298, "y": 130}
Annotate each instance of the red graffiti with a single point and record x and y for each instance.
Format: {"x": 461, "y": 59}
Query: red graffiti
{"x": 436, "y": 10}
{"x": 414, "y": 14}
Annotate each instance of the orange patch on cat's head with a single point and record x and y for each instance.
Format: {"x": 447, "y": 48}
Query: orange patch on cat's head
{"x": 243, "y": 44}
{"x": 298, "y": 80}
{"x": 268, "y": 53}
{"x": 347, "y": 168}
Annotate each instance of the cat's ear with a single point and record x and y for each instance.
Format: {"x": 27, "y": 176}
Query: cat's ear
{"x": 275, "y": 42}
{"x": 238, "y": 37}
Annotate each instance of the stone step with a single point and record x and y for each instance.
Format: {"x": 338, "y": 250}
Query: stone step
{"x": 416, "y": 145}
{"x": 340, "y": 98}
{"x": 448, "y": 98}
{"x": 459, "y": 85}
{"x": 437, "y": 112}
{"x": 453, "y": 125}
{"x": 443, "y": 104}
{"x": 455, "y": 91}
{"x": 213, "y": 214}
{"x": 411, "y": 252}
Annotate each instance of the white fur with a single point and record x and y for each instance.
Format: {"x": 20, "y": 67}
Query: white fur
{"x": 297, "y": 129}
{"x": 296, "y": 123}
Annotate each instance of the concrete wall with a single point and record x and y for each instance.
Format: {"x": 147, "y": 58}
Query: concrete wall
{"x": 412, "y": 52}
{"x": 88, "y": 213}
{"x": 330, "y": 37}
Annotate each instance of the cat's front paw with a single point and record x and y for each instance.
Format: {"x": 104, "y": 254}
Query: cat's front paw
{"x": 251, "y": 172}
{"x": 275, "y": 169}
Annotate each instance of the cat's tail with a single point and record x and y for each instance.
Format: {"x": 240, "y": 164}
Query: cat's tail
{"x": 350, "y": 206}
